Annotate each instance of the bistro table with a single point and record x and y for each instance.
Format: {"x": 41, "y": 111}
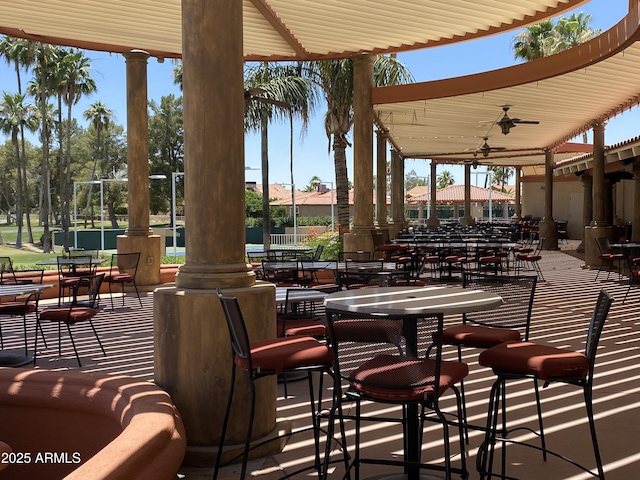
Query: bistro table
{"x": 410, "y": 304}
{"x": 72, "y": 262}
{"x": 8, "y": 359}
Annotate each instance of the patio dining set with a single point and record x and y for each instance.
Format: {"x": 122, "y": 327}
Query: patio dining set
{"x": 78, "y": 301}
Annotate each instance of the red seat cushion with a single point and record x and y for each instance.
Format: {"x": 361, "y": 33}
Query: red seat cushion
{"x": 119, "y": 278}
{"x": 401, "y": 378}
{"x": 61, "y": 314}
{"x": 529, "y": 358}
{"x": 17, "y": 308}
{"x": 368, "y": 331}
{"x": 279, "y": 354}
{"x": 478, "y": 336}
{"x": 301, "y": 326}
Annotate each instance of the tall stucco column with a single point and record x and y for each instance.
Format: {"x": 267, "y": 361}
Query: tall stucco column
{"x": 587, "y": 206}
{"x": 434, "y": 221}
{"x": 360, "y": 236}
{"x": 397, "y": 192}
{"x": 467, "y": 219}
{"x": 518, "y": 206}
{"x": 598, "y": 226}
{"x": 138, "y": 237}
{"x": 381, "y": 178}
{"x": 192, "y": 355}
{"x": 635, "y": 219}
{"x": 548, "y": 226}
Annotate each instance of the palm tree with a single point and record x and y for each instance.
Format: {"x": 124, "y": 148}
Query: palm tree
{"x": 445, "y": 179}
{"x": 335, "y": 79}
{"x": 100, "y": 117}
{"x": 501, "y": 176}
{"x": 571, "y": 31}
{"x": 76, "y": 81}
{"x": 533, "y": 41}
{"x": 13, "y": 115}
{"x": 275, "y": 92}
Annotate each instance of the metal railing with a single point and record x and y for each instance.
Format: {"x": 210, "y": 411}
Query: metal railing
{"x": 287, "y": 238}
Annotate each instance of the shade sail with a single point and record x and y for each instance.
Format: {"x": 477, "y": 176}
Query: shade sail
{"x": 276, "y": 29}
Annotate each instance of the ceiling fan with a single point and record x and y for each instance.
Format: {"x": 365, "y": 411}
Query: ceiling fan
{"x": 252, "y": 94}
{"x": 486, "y": 149}
{"x": 506, "y": 123}
{"x": 474, "y": 162}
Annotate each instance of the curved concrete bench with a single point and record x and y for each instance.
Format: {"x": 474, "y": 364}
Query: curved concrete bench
{"x": 83, "y": 426}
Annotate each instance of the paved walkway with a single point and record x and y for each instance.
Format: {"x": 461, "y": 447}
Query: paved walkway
{"x": 561, "y": 313}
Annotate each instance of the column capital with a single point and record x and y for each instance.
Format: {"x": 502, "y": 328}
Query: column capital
{"x": 139, "y": 55}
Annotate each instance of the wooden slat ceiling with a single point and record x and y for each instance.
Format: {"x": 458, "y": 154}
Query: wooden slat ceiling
{"x": 276, "y": 29}
{"x": 446, "y": 120}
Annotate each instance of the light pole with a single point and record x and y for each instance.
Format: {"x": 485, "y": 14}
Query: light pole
{"x": 174, "y": 179}
{"x": 332, "y": 215}
{"x": 75, "y": 209}
{"x": 102, "y": 182}
{"x": 293, "y": 206}
{"x": 489, "y": 175}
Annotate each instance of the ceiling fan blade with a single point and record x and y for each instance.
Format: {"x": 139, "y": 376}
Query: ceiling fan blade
{"x": 530, "y": 122}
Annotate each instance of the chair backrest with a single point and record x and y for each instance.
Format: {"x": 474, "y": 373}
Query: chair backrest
{"x": 539, "y": 246}
{"x": 92, "y": 284}
{"x": 632, "y": 258}
{"x": 237, "y": 328}
{"x": 29, "y": 276}
{"x": 517, "y": 292}
{"x": 318, "y": 253}
{"x": 83, "y": 253}
{"x": 359, "y": 255}
{"x": 280, "y": 271}
{"x": 6, "y": 269}
{"x": 596, "y": 324}
{"x": 603, "y": 245}
{"x": 125, "y": 262}
{"x": 65, "y": 269}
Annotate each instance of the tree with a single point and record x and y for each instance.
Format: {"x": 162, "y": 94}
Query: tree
{"x": 532, "y": 42}
{"x": 14, "y": 114}
{"x": 501, "y": 176}
{"x": 100, "y": 117}
{"x": 312, "y": 186}
{"x": 445, "y": 179}
{"x": 75, "y": 81}
{"x": 280, "y": 92}
{"x": 412, "y": 180}
{"x": 335, "y": 79}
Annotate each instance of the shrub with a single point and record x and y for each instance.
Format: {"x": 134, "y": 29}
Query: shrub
{"x": 332, "y": 242}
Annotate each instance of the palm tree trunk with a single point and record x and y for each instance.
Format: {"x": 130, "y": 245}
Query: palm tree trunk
{"x": 93, "y": 173}
{"x": 342, "y": 181}
{"x": 19, "y": 196}
{"x": 264, "y": 155}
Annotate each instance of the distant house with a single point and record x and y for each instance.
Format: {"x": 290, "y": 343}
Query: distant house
{"x": 450, "y": 202}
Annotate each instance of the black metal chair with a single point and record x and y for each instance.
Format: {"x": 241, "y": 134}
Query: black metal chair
{"x": 508, "y": 323}
{"x": 264, "y": 358}
{"x": 375, "y": 374}
{"x": 522, "y": 360}
{"x": 608, "y": 258}
{"x": 631, "y": 256}
{"x": 530, "y": 260}
{"x": 124, "y": 267}
{"x": 77, "y": 311}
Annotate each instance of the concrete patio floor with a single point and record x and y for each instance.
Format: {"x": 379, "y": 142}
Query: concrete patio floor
{"x": 561, "y": 313}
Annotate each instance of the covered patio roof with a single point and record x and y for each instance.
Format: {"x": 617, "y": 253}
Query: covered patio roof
{"x": 447, "y": 120}
{"x": 276, "y": 29}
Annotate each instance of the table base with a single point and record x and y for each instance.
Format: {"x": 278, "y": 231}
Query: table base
{"x": 14, "y": 360}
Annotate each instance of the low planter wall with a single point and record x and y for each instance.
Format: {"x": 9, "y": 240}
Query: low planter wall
{"x": 81, "y": 426}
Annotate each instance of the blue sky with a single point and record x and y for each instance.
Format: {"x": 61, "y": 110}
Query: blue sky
{"x": 311, "y": 155}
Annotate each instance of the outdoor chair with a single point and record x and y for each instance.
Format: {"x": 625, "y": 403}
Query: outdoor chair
{"x": 23, "y": 305}
{"x": 69, "y": 274}
{"x": 298, "y": 316}
{"x": 530, "y": 260}
{"x": 632, "y": 257}
{"x": 124, "y": 267}
{"x": 485, "y": 329}
{"x": 284, "y": 273}
{"x": 608, "y": 258}
{"x": 377, "y": 375}
{"x": 7, "y": 274}
{"x": 77, "y": 311}
{"x": 523, "y": 360}
{"x": 269, "y": 357}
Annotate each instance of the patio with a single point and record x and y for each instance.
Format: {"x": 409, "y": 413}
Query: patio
{"x": 561, "y": 311}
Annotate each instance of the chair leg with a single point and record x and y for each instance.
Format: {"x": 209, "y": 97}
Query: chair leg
{"x": 135, "y": 285}
{"x": 543, "y": 443}
{"x": 74, "y": 345}
{"x": 225, "y": 423}
{"x": 111, "y": 296}
{"x": 97, "y": 337}
{"x": 592, "y": 428}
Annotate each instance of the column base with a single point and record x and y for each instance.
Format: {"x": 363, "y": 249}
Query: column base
{"x": 433, "y": 222}
{"x": 359, "y": 239}
{"x": 467, "y": 220}
{"x": 549, "y": 230}
{"x": 193, "y": 360}
{"x": 150, "y": 249}
{"x": 591, "y": 251}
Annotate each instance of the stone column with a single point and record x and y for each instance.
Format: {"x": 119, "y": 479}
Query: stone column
{"x": 381, "y": 178}
{"x": 192, "y": 354}
{"x": 138, "y": 237}
{"x": 397, "y": 192}
{"x": 587, "y": 207}
{"x": 434, "y": 221}
{"x": 608, "y": 200}
{"x": 598, "y": 226}
{"x": 635, "y": 222}
{"x": 518, "y": 206}
{"x": 360, "y": 236}
{"x": 467, "y": 219}
{"x": 548, "y": 226}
